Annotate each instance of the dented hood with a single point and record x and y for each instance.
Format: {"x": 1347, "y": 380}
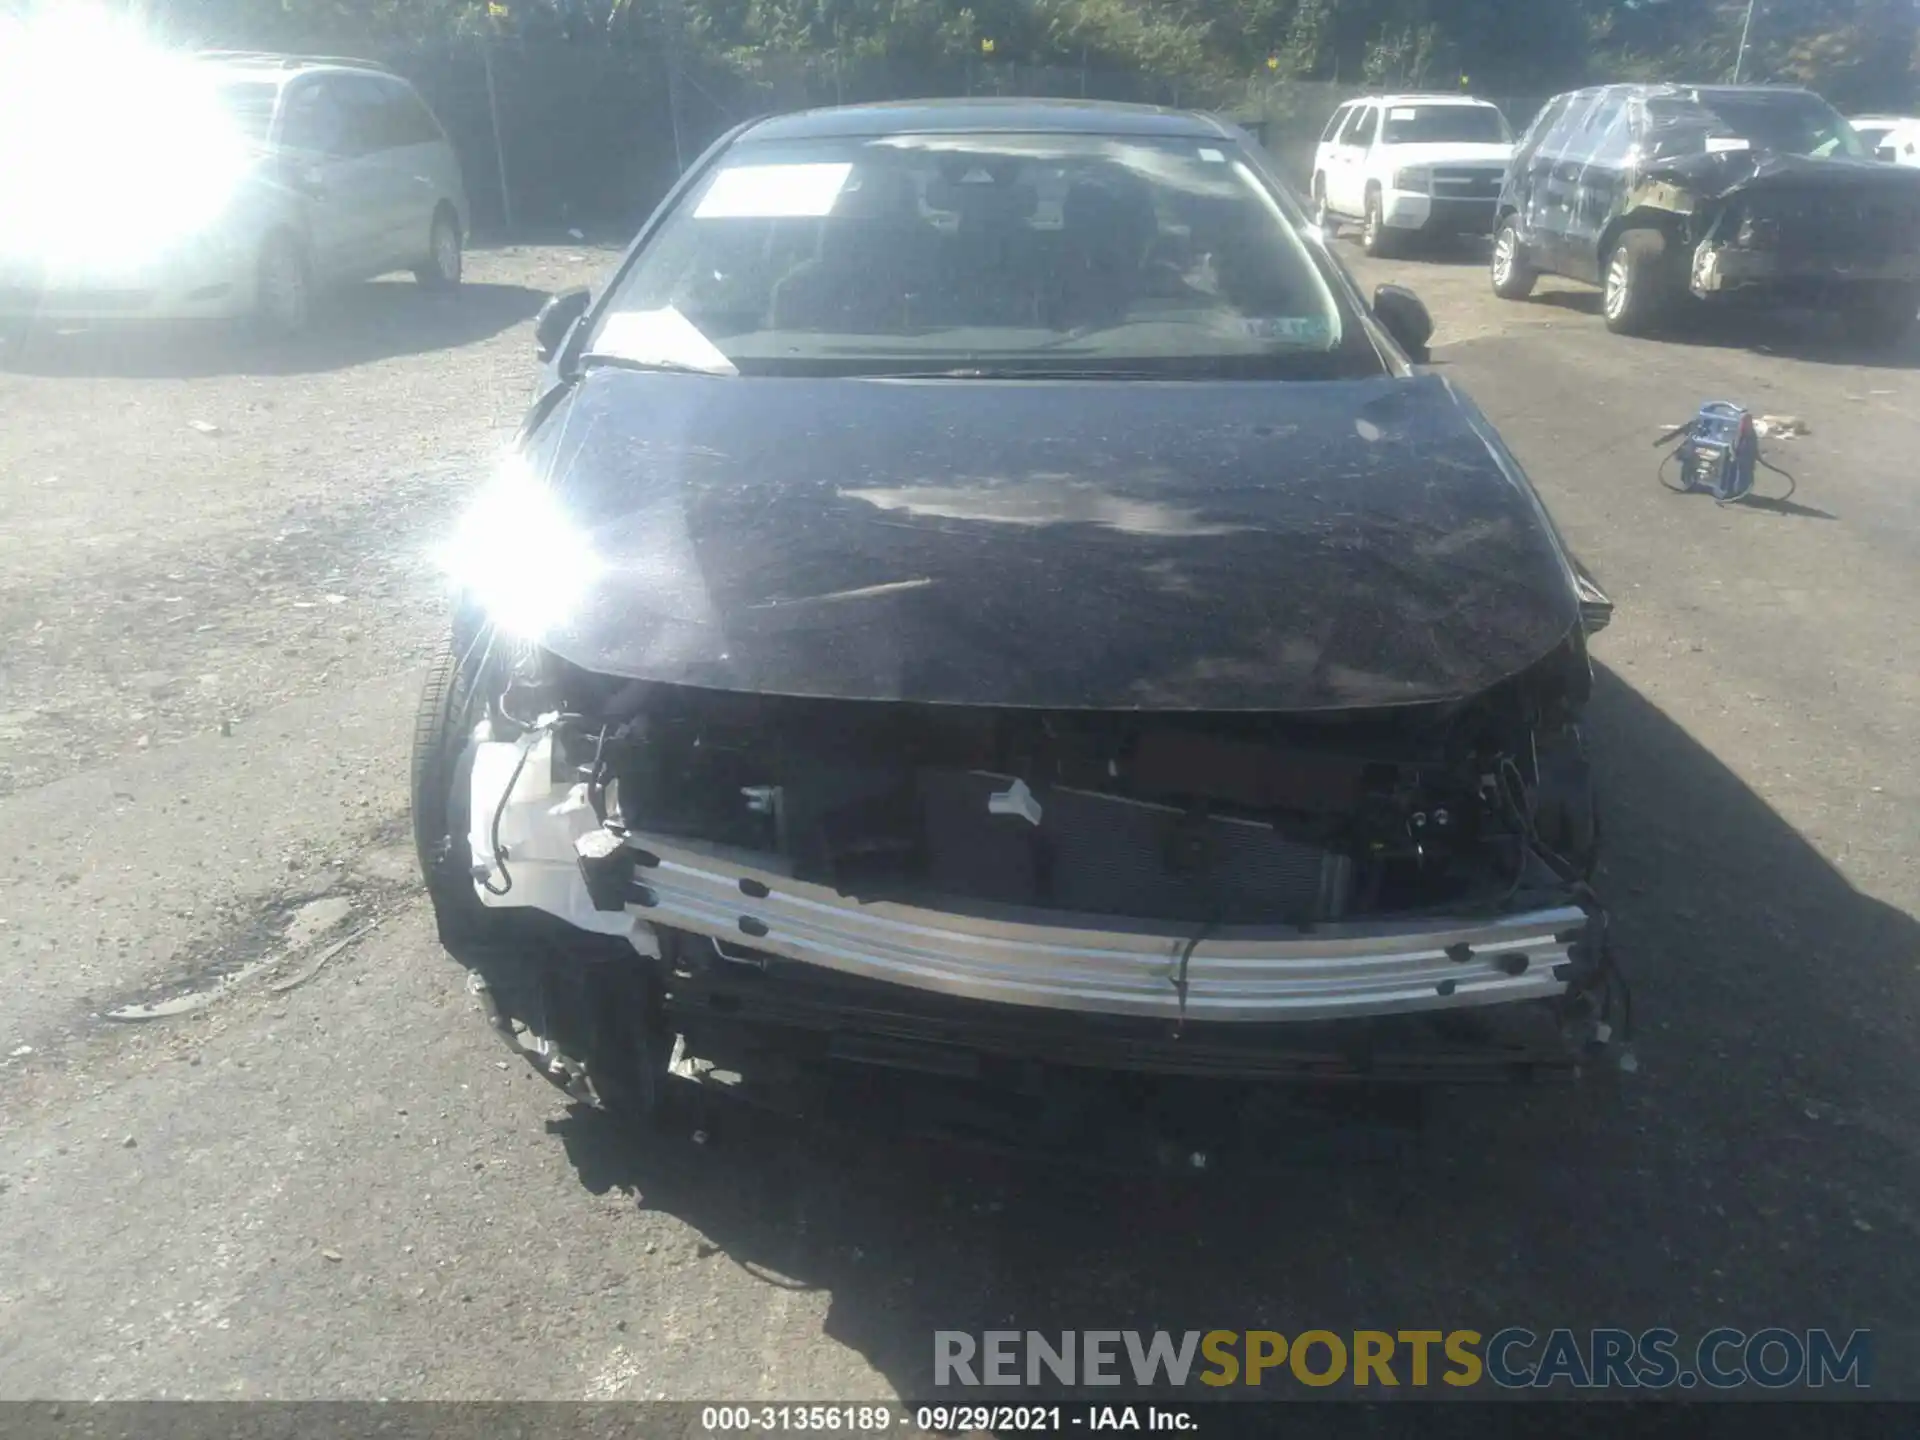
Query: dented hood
{"x": 1716, "y": 174}
{"x": 1085, "y": 545}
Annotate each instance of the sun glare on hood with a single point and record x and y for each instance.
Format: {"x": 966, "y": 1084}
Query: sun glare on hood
{"x": 518, "y": 554}
{"x": 112, "y": 147}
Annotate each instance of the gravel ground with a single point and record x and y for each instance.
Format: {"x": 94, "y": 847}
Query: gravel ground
{"x": 215, "y": 597}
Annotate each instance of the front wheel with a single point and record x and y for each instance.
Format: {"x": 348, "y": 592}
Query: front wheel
{"x": 1375, "y": 238}
{"x": 1322, "y": 216}
{"x": 1635, "y": 292}
{"x": 283, "y": 297}
{"x": 451, "y": 705}
{"x": 1513, "y": 277}
{"x": 443, "y": 264}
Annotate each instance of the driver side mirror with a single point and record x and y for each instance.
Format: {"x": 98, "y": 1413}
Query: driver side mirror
{"x": 1403, "y": 316}
{"x": 556, "y": 321}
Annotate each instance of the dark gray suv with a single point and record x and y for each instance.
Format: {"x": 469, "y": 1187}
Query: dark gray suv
{"x": 1666, "y": 194}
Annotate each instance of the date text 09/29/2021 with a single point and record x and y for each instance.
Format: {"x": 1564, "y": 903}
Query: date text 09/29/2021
{"x": 963, "y": 1418}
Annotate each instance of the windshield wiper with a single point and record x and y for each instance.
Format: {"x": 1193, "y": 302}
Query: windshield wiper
{"x": 600, "y": 359}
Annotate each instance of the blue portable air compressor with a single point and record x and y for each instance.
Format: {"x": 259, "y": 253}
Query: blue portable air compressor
{"x": 1718, "y": 452}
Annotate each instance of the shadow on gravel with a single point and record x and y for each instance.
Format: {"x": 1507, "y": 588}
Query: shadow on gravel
{"x": 354, "y": 326}
{"x": 1449, "y": 252}
{"x": 1808, "y": 335}
{"x": 1749, "y": 1174}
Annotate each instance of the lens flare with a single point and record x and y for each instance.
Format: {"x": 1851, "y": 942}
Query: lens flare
{"x": 519, "y": 555}
{"x": 112, "y": 147}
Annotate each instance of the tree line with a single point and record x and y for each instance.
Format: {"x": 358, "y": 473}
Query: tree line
{"x": 1860, "y": 53}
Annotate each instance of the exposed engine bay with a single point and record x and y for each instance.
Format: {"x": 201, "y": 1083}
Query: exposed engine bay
{"x": 1779, "y": 228}
{"x": 919, "y": 887}
{"x": 1226, "y": 819}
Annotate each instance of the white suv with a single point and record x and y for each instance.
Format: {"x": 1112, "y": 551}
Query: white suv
{"x": 1405, "y": 164}
{"x": 228, "y": 186}
{"x": 1890, "y": 137}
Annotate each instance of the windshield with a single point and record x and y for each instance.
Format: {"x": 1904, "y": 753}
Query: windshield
{"x": 1789, "y": 122}
{"x": 248, "y": 106}
{"x": 996, "y": 253}
{"x": 1457, "y": 124}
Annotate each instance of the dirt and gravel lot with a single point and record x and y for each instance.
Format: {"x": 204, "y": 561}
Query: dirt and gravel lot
{"x": 215, "y": 597}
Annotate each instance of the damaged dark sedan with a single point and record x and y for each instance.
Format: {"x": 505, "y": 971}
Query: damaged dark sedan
{"x": 1667, "y": 195}
{"x": 981, "y": 594}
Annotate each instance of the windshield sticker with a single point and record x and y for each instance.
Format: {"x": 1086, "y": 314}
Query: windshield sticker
{"x": 773, "y": 192}
{"x": 1305, "y": 330}
{"x": 1212, "y": 157}
{"x": 1725, "y": 144}
{"x": 1403, "y": 112}
{"x": 661, "y": 337}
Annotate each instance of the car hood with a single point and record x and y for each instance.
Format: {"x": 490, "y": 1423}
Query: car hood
{"x": 1715, "y": 174}
{"x": 1077, "y": 545}
{"x": 1451, "y": 152}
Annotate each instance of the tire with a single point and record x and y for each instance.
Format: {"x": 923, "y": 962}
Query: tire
{"x": 1322, "y": 216}
{"x": 441, "y": 272}
{"x": 1375, "y": 238}
{"x": 451, "y": 704}
{"x": 1883, "y": 317}
{"x": 1513, "y": 278}
{"x": 283, "y": 294}
{"x": 1636, "y": 285}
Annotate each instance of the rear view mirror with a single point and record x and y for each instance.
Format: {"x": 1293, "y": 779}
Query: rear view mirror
{"x": 1404, "y": 317}
{"x": 556, "y": 321}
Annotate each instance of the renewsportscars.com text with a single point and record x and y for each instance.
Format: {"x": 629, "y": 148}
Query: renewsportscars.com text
{"x": 1514, "y": 1357}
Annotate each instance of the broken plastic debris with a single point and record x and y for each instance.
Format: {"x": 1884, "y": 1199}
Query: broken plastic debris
{"x": 164, "y": 1009}
{"x": 320, "y": 961}
{"x": 1016, "y": 799}
{"x": 1769, "y": 427}
{"x": 205, "y": 427}
{"x": 577, "y": 234}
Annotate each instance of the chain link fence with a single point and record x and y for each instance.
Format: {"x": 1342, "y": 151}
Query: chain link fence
{"x": 555, "y": 136}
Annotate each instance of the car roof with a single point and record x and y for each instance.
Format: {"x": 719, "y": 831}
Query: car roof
{"x": 274, "y": 67}
{"x": 984, "y": 115}
{"x": 1441, "y": 97}
{"x": 1645, "y": 89}
{"x": 1745, "y": 92}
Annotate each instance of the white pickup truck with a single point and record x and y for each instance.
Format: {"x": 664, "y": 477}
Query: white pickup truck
{"x": 1411, "y": 164}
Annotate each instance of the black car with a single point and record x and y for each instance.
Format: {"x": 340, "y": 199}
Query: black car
{"x": 1663, "y": 194}
{"x": 982, "y": 594}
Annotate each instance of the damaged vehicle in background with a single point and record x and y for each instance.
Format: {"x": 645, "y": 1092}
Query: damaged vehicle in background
{"x": 982, "y": 596}
{"x": 1663, "y": 195}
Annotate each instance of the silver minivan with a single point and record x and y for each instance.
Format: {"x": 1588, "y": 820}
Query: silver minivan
{"x": 304, "y": 173}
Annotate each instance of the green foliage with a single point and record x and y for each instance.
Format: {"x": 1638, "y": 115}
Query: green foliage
{"x": 1860, "y": 52}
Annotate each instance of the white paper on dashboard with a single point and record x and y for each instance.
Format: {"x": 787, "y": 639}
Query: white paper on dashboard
{"x": 661, "y": 337}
